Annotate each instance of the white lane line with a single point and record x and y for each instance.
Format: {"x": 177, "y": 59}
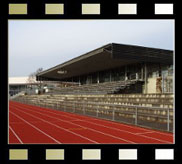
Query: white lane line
{"x": 66, "y": 115}
{"x": 35, "y": 127}
{"x": 79, "y": 126}
{"x": 57, "y": 126}
{"x": 123, "y": 131}
{"x": 171, "y": 135}
{"x": 130, "y": 132}
{"x": 136, "y": 134}
{"x": 34, "y": 122}
{"x": 143, "y": 133}
{"x": 15, "y": 134}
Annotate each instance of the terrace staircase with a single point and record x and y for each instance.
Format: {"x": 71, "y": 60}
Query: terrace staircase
{"x": 99, "y": 88}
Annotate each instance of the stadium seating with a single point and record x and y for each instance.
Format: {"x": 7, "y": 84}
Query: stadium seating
{"x": 151, "y": 110}
{"x": 98, "y": 88}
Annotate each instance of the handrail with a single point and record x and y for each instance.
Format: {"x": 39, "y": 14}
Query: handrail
{"x": 71, "y": 106}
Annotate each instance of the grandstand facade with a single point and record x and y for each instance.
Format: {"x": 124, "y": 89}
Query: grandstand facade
{"x": 116, "y": 68}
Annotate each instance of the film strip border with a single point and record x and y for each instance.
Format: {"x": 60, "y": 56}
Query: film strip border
{"x": 51, "y": 9}
{"x": 96, "y": 9}
{"x": 91, "y": 154}
{"x": 90, "y": 9}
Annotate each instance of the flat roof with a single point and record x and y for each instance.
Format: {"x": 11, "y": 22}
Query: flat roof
{"x": 19, "y": 80}
{"x": 106, "y": 57}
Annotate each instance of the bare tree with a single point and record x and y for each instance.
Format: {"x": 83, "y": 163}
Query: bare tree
{"x": 37, "y": 72}
{"x": 32, "y": 78}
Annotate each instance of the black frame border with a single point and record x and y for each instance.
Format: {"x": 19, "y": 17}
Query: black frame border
{"x": 36, "y": 10}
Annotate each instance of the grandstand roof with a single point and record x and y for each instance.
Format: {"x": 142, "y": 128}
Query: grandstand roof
{"x": 107, "y": 57}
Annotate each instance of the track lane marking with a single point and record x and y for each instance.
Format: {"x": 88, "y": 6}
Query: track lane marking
{"x": 35, "y": 122}
{"x": 114, "y": 129}
{"x": 128, "y": 141}
{"x": 143, "y": 133}
{"x": 35, "y": 127}
{"x": 15, "y": 134}
{"x": 58, "y": 126}
{"x": 171, "y": 135}
{"x": 137, "y": 134}
{"x": 67, "y": 113}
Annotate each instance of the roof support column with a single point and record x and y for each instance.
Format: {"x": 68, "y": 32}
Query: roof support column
{"x": 126, "y": 78}
{"x": 160, "y": 70}
{"x": 79, "y": 81}
{"x": 110, "y": 76}
{"x": 141, "y": 71}
{"x": 97, "y": 77}
{"x": 146, "y": 78}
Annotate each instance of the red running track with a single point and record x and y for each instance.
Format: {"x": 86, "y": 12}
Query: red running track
{"x": 32, "y": 124}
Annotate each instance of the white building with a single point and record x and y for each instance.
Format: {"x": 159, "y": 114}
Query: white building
{"x": 18, "y": 84}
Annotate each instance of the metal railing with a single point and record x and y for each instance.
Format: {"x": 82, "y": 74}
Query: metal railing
{"x": 150, "y": 117}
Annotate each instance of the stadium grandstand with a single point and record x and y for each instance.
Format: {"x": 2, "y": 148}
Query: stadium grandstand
{"x": 116, "y": 68}
{"x": 114, "y": 94}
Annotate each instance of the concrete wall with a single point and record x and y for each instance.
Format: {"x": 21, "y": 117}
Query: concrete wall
{"x": 151, "y": 85}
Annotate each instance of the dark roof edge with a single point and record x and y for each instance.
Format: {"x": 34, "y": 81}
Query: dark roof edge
{"x": 86, "y": 55}
{"x": 94, "y": 52}
{"x": 142, "y": 47}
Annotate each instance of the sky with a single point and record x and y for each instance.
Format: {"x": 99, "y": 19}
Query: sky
{"x": 46, "y": 43}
